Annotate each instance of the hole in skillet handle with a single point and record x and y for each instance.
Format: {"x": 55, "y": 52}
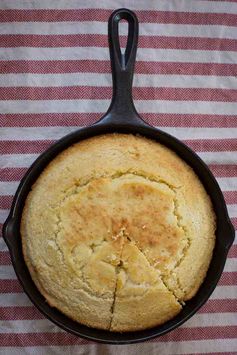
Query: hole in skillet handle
{"x": 122, "y": 111}
{"x": 123, "y": 34}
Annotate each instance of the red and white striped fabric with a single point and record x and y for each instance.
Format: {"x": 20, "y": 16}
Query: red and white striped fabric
{"x": 55, "y": 76}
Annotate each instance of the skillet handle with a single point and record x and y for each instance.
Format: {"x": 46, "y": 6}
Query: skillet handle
{"x": 122, "y": 64}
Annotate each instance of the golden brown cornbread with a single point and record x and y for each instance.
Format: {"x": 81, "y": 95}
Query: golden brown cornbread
{"x": 118, "y": 232}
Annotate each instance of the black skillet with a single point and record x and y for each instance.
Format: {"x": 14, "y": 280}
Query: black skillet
{"x": 121, "y": 117}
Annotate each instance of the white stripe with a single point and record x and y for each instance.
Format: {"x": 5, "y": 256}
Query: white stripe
{"x": 143, "y": 106}
{"x": 56, "y": 132}
{"x": 223, "y": 292}
{"x": 235, "y": 240}
{"x": 96, "y": 27}
{"x": 187, "y": 107}
{"x": 14, "y": 299}
{"x": 21, "y": 299}
{"x": 200, "y": 133}
{"x": 231, "y": 265}
{"x": 8, "y": 187}
{"x": 29, "y": 326}
{"x": 7, "y": 272}
{"x": 232, "y": 210}
{"x": 103, "y": 79}
{"x": 154, "y": 347}
{"x": 228, "y": 184}
{"x": 25, "y": 160}
{"x": 96, "y": 53}
{"x": 183, "y": 81}
{"x": 73, "y": 79}
{"x": 211, "y": 320}
{"x": 17, "y": 160}
{"x": 3, "y": 215}
{"x": 3, "y": 246}
{"x": 161, "y": 5}
{"x": 217, "y": 158}
{"x": 43, "y": 106}
{"x": 44, "y": 325}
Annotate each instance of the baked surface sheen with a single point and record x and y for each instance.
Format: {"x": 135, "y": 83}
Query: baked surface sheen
{"x": 118, "y": 232}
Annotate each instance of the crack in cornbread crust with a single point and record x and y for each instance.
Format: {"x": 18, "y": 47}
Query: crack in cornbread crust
{"x": 125, "y": 154}
{"x": 160, "y": 275}
{"x": 120, "y": 320}
{"x": 117, "y": 269}
{"x": 77, "y": 188}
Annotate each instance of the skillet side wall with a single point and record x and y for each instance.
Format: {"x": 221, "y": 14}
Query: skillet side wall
{"x": 224, "y": 233}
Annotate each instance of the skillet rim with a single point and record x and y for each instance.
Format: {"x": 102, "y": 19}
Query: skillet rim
{"x": 12, "y": 237}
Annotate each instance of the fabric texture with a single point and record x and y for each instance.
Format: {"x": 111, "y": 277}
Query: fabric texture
{"x": 55, "y": 76}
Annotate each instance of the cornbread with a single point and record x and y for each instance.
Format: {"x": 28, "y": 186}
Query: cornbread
{"x": 118, "y": 232}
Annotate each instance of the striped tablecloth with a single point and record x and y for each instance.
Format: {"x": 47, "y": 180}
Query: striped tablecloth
{"x": 55, "y": 77}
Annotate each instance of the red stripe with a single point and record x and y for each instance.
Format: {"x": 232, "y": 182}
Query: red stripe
{"x": 212, "y": 145}
{"x": 24, "y": 147}
{"x": 233, "y": 252}
{"x": 43, "y": 15}
{"x": 12, "y": 285}
{"x": 20, "y": 313}
{"x": 234, "y": 222}
{"x": 15, "y": 15}
{"x": 103, "y": 66}
{"x": 228, "y": 279}
{"x": 199, "y": 333}
{"x": 38, "y": 146}
{"x": 55, "y": 93}
{"x": 219, "y": 306}
{"x": 189, "y": 120}
{"x": 16, "y": 174}
{"x": 230, "y": 197}
{"x": 40, "y": 339}
{"x": 32, "y": 313}
{"x": 226, "y": 352}
{"x": 219, "y": 1}
{"x": 227, "y": 170}
{"x": 184, "y": 94}
{"x": 59, "y": 66}
{"x": 49, "y": 119}
{"x": 99, "y": 40}
{"x": 6, "y": 200}
{"x": 63, "y": 338}
{"x": 94, "y": 92}
{"x": 5, "y": 259}
{"x": 83, "y": 119}
{"x": 12, "y": 174}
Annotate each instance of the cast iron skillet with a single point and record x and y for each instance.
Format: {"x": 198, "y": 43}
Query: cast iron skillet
{"x": 121, "y": 117}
